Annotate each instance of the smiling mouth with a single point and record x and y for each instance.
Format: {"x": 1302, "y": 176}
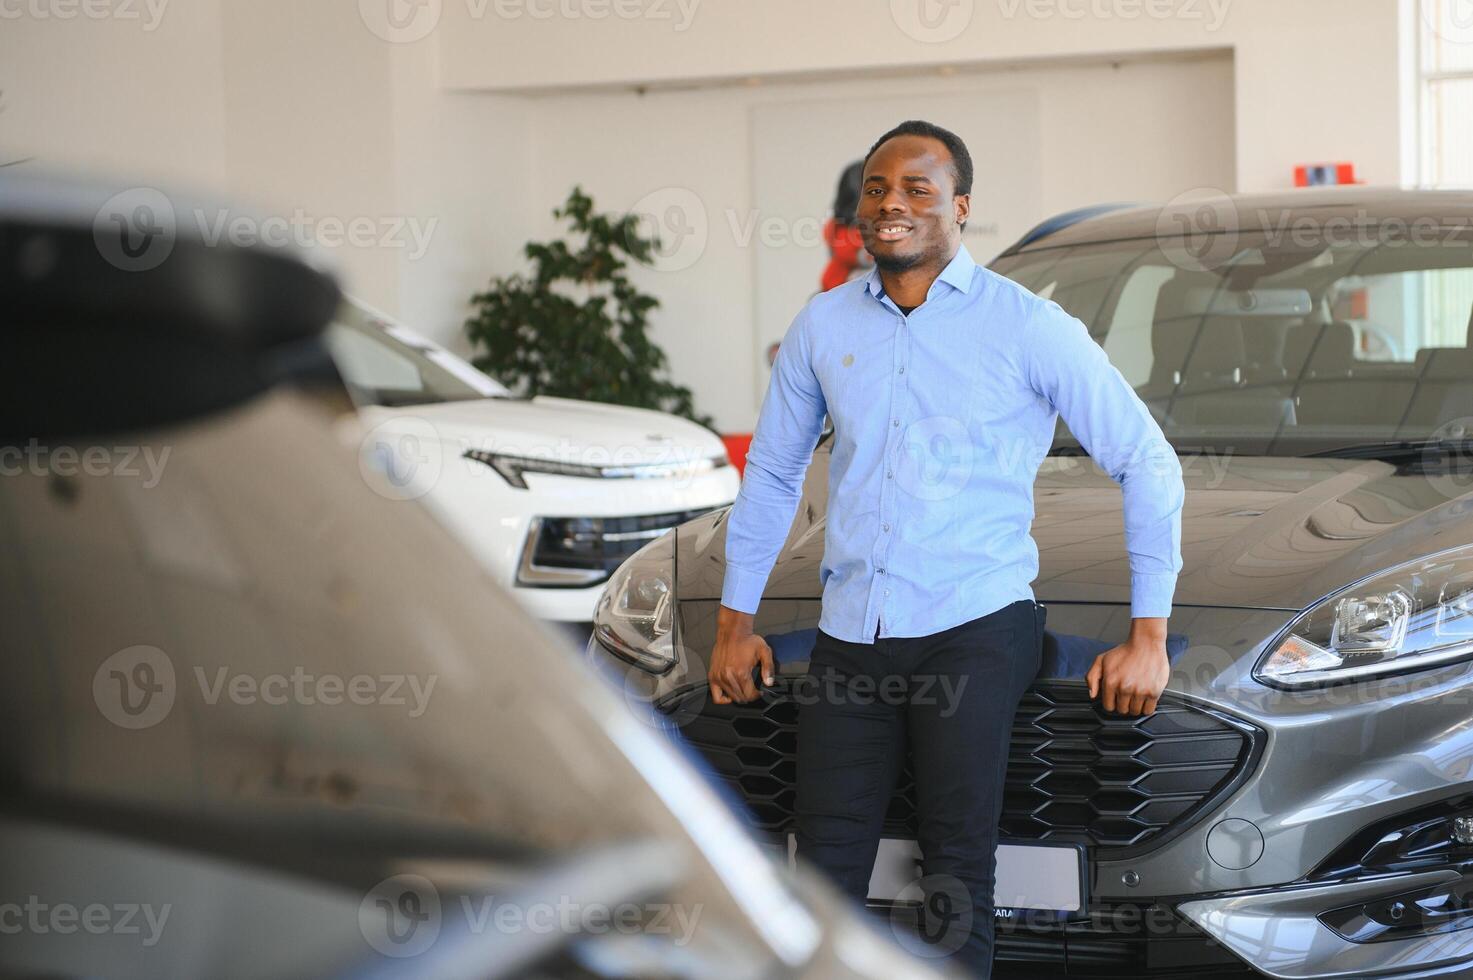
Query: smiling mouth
{"x": 891, "y": 232}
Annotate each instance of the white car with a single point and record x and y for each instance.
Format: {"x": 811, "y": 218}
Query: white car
{"x": 550, "y": 494}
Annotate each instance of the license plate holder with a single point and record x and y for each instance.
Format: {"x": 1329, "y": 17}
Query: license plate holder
{"x": 1036, "y": 880}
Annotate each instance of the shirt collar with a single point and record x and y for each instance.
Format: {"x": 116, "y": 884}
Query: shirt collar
{"x": 957, "y": 274}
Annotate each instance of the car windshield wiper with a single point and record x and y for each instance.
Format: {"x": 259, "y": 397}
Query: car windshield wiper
{"x": 1075, "y": 449}
{"x": 1401, "y": 449}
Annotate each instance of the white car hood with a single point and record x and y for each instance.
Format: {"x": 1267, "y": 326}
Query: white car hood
{"x": 564, "y": 429}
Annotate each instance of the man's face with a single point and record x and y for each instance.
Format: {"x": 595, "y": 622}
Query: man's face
{"x": 908, "y": 214}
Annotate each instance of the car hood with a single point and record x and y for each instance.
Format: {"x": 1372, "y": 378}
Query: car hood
{"x": 555, "y": 428}
{"x": 1257, "y": 532}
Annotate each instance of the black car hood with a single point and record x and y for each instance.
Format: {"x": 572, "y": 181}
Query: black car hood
{"x": 1257, "y": 532}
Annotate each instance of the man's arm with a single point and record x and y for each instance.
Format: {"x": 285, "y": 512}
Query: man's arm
{"x": 1115, "y": 427}
{"x": 788, "y": 427}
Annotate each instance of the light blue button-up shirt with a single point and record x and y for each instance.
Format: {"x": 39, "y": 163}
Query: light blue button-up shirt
{"x": 941, "y": 420}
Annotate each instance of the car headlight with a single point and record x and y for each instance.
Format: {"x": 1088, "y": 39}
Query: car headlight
{"x": 635, "y": 618}
{"x": 1415, "y": 615}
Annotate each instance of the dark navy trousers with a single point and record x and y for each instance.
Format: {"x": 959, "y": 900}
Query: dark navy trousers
{"x": 947, "y": 701}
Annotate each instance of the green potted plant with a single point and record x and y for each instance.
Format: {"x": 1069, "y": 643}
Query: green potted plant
{"x": 575, "y": 326}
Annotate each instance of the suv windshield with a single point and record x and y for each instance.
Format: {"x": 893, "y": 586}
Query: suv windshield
{"x": 384, "y": 364}
{"x": 1286, "y": 348}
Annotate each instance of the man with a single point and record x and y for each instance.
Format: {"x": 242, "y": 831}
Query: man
{"x": 943, "y": 381}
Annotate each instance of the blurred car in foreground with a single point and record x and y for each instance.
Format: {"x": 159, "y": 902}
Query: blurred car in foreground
{"x": 1300, "y": 802}
{"x": 550, "y": 494}
{"x": 258, "y": 721}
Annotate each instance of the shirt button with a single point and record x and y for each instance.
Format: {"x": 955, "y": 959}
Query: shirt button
{"x": 902, "y": 370}
{"x": 889, "y": 474}
{"x": 895, "y": 423}
{"x": 885, "y": 527}
{"x": 887, "y": 591}
{"x": 880, "y": 570}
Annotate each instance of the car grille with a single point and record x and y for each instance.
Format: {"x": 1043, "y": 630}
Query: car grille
{"x": 590, "y": 548}
{"x": 1075, "y": 772}
{"x": 1116, "y": 940}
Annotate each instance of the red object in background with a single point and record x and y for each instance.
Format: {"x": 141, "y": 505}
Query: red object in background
{"x": 1324, "y": 174}
{"x": 736, "y": 449}
{"x": 845, "y": 243}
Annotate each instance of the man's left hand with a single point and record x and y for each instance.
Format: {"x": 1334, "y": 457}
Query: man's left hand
{"x": 1129, "y": 678}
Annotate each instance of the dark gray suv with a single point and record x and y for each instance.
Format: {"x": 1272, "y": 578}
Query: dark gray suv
{"x": 1299, "y": 804}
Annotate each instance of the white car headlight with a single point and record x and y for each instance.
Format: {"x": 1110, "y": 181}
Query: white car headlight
{"x": 1415, "y": 615}
{"x": 635, "y": 618}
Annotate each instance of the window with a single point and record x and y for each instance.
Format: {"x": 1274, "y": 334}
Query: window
{"x": 1447, "y": 93}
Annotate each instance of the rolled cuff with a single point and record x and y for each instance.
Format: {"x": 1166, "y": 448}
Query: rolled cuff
{"x": 1150, "y": 595}
{"x": 742, "y": 588}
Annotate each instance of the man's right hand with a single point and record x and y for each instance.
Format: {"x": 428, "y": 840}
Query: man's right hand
{"x": 737, "y": 651}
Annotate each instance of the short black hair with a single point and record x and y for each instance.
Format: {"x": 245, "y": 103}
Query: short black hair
{"x": 961, "y": 160}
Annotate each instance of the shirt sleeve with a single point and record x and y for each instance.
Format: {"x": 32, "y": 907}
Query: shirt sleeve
{"x": 788, "y": 426}
{"x": 1115, "y": 427}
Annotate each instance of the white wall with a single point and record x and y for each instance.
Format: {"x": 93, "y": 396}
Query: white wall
{"x": 1316, "y": 79}
{"x": 284, "y": 108}
{"x": 1144, "y": 131}
{"x": 137, "y": 96}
